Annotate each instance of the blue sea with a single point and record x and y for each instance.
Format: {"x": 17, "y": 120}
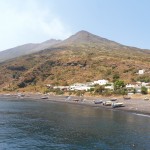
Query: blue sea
{"x": 45, "y": 125}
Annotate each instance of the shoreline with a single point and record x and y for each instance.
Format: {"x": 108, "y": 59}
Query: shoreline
{"x": 134, "y": 105}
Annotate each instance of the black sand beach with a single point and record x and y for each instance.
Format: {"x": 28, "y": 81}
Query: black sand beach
{"x": 134, "y": 105}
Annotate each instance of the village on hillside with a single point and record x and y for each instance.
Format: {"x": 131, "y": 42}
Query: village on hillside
{"x": 103, "y": 86}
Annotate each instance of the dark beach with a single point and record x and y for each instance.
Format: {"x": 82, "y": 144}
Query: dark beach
{"x": 136, "y": 104}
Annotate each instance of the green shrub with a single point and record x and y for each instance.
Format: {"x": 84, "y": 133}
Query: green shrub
{"x": 144, "y": 90}
{"x": 99, "y": 89}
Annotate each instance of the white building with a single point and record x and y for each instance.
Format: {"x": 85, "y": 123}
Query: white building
{"x": 48, "y": 85}
{"x": 140, "y": 72}
{"x": 145, "y": 84}
{"x": 128, "y": 86}
{"x": 79, "y": 87}
{"x": 101, "y": 82}
{"x": 110, "y": 87}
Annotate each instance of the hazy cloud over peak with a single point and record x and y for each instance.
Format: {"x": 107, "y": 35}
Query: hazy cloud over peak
{"x": 29, "y": 21}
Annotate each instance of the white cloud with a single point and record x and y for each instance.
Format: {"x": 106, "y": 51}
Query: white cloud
{"x": 28, "y": 21}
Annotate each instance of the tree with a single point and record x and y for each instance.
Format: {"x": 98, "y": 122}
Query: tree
{"x": 119, "y": 84}
{"x": 144, "y": 90}
{"x": 99, "y": 89}
{"x": 119, "y": 87}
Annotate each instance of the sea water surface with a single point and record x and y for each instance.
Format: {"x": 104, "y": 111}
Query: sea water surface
{"x": 44, "y": 125}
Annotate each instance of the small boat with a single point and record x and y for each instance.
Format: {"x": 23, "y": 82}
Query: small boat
{"x": 76, "y": 100}
{"x": 114, "y": 105}
{"x": 107, "y": 103}
{"x": 20, "y": 95}
{"x": 98, "y": 101}
{"x": 146, "y": 98}
{"x": 7, "y": 94}
{"x": 126, "y": 97}
{"x": 113, "y": 99}
{"x": 44, "y": 97}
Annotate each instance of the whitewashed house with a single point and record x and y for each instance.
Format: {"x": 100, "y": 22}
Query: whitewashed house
{"x": 145, "y": 84}
{"x": 142, "y": 71}
{"x": 129, "y": 86}
{"x": 109, "y": 87}
{"x": 101, "y": 82}
{"x": 79, "y": 87}
{"x": 48, "y": 85}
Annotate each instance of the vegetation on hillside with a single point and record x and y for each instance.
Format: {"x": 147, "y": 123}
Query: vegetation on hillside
{"x": 75, "y": 62}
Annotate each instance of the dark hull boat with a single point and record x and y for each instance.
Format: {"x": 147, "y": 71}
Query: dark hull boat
{"x": 98, "y": 102}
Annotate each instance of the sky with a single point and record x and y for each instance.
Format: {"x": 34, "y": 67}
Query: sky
{"x": 34, "y": 21}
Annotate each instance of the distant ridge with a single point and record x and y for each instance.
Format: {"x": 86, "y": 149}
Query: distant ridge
{"x": 80, "y": 39}
{"x": 26, "y": 49}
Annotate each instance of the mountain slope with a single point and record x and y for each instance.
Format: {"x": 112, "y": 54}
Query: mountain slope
{"x": 84, "y": 37}
{"x": 26, "y": 49}
{"x": 80, "y": 58}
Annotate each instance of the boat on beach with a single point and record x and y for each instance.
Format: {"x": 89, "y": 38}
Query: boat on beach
{"x": 113, "y": 99}
{"x": 114, "y": 105}
{"x": 44, "y": 97}
{"x": 126, "y": 97}
{"x": 98, "y": 101}
{"x": 20, "y": 95}
{"x": 76, "y": 100}
{"x": 107, "y": 103}
{"x": 146, "y": 98}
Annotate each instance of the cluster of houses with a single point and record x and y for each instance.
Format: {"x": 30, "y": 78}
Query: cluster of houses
{"x": 131, "y": 88}
{"x": 107, "y": 85}
{"x": 84, "y": 86}
{"x": 137, "y": 87}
